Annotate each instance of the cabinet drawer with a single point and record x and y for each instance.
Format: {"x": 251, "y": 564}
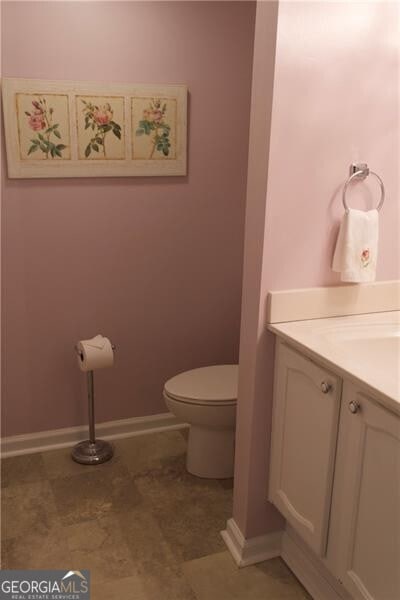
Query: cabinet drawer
{"x": 304, "y": 436}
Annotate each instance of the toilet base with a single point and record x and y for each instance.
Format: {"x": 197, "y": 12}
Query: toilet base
{"x": 210, "y": 452}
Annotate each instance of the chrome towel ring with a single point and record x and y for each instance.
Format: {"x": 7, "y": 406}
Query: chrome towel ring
{"x": 361, "y": 171}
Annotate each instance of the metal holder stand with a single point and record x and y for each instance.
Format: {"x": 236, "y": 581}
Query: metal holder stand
{"x": 92, "y": 451}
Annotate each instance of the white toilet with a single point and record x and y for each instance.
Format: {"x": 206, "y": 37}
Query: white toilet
{"x": 206, "y": 399}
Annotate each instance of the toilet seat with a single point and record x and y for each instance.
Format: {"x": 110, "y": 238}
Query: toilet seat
{"x": 207, "y": 386}
{"x": 193, "y": 402}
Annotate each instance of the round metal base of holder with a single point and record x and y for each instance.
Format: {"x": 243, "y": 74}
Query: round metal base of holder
{"x": 88, "y": 453}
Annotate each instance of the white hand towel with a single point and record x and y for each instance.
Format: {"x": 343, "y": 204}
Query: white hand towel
{"x": 357, "y": 246}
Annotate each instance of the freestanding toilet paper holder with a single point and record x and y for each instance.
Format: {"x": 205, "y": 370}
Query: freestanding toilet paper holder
{"x": 92, "y": 451}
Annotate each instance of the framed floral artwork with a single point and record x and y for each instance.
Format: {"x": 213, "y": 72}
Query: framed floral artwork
{"x": 100, "y": 126}
{"x": 154, "y": 127}
{"x": 83, "y": 129}
{"x": 43, "y": 127}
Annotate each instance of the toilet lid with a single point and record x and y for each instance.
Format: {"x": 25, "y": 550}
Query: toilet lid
{"x": 215, "y": 384}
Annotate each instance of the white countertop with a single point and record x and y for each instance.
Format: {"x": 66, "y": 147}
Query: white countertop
{"x": 365, "y": 348}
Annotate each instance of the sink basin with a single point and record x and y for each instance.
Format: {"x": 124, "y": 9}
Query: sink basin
{"x": 376, "y": 345}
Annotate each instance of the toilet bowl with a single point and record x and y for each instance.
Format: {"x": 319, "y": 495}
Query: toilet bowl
{"x": 206, "y": 399}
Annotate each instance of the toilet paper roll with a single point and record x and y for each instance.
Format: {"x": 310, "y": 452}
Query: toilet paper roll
{"x": 96, "y": 353}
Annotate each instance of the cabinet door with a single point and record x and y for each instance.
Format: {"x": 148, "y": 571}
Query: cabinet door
{"x": 364, "y": 539}
{"x": 304, "y": 435}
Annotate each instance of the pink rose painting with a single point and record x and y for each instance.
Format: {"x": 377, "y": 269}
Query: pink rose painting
{"x": 41, "y": 121}
{"x": 154, "y": 124}
{"x": 100, "y": 119}
{"x": 56, "y": 128}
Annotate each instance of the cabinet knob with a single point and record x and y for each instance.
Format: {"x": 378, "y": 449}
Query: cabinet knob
{"x": 354, "y": 407}
{"x": 325, "y": 387}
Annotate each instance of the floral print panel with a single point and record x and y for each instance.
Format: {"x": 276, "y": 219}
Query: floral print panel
{"x": 43, "y": 127}
{"x": 154, "y": 128}
{"x": 59, "y": 128}
{"x": 100, "y": 127}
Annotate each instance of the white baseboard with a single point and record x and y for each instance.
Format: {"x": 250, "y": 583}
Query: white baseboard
{"x": 248, "y": 552}
{"x": 310, "y": 571}
{"x": 111, "y": 430}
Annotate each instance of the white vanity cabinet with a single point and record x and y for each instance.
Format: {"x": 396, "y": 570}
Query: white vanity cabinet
{"x": 335, "y": 476}
{"x": 305, "y": 423}
{"x": 364, "y": 538}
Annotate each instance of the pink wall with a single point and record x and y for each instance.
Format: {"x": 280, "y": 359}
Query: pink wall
{"x": 335, "y": 100}
{"x": 253, "y": 420}
{"x": 153, "y": 263}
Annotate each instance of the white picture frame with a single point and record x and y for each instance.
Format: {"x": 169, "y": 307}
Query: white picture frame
{"x": 86, "y": 129}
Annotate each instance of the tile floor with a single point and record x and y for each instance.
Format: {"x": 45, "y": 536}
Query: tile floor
{"x": 145, "y": 528}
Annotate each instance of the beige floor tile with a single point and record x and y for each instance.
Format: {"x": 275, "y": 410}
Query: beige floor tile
{"x": 29, "y": 507}
{"x": 171, "y": 484}
{"x": 37, "y": 551}
{"x": 128, "y": 588}
{"x": 156, "y": 562}
{"x": 190, "y": 512}
{"x": 133, "y": 522}
{"x": 169, "y": 583}
{"x": 58, "y": 463}
{"x": 99, "y": 546}
{"x": 22, "y": 469}
{"x": 143, "y": 454}
{"x": 143, "y": 536}
{"x": 4, "y": 558}
{"x": 94, "y": 493}
{"x": 194, "y": 532}
{"x": 217, "y": 577}
{"x": 280, "y": 572}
